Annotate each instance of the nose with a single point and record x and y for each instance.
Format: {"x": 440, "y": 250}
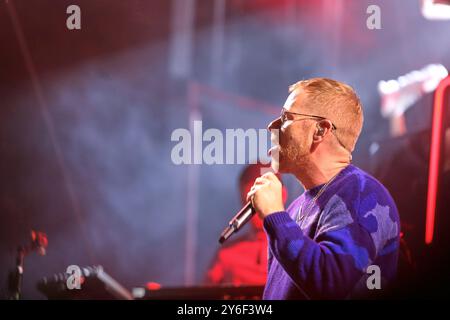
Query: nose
{"x": 275, "y": 124}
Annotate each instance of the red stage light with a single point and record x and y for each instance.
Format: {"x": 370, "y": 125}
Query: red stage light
{"x": 435, "y": 155}
{"x": 153, "y": 286}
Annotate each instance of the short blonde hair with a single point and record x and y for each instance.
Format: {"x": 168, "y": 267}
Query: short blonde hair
{"x": 337, "y": 102}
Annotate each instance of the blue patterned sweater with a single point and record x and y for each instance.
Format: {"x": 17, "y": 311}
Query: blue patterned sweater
{"x": 324, "y": 253}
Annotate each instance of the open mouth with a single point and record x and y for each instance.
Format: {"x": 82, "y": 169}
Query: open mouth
{"x": 275, "y": 139}
{"x": 273, "y": 149}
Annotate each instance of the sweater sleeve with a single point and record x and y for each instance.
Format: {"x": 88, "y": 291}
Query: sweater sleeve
{"x": 328, "y": 266}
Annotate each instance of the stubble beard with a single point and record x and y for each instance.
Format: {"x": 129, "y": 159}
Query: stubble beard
{"x": 293, "y": 156}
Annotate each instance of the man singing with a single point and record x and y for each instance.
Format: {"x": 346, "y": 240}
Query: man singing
{"x": 340, "y": 238}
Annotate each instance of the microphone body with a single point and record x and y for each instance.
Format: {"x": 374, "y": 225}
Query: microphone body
{"x": 238, "y": 221}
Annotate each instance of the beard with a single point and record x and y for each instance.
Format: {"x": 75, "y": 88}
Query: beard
{"x": 289, "y": 152}
{"x": 292, "y": 155}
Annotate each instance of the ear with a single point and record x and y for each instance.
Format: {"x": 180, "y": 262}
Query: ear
{"x": 323, "y": 127}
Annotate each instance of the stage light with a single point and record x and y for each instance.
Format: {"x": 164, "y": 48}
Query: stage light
{"x": 436, "y": 9}
{"x": 399, "y": 94}
{"x": 435, "y": 157}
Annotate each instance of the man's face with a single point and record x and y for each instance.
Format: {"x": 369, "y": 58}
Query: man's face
{"x": 291, "y": 140}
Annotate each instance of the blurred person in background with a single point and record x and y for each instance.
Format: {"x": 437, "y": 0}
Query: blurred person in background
{"x": 243, "y": 260}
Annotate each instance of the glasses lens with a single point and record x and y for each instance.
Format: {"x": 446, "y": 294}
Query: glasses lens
{"x": 284, "y": 116}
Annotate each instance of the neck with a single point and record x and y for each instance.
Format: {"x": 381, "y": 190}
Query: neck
{"x": 316, "y": 172}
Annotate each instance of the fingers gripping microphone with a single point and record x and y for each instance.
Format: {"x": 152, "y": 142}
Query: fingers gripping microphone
{"x": 239, "y": 220}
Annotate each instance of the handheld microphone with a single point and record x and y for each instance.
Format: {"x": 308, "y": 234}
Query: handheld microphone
{"x": 239, "y": 220}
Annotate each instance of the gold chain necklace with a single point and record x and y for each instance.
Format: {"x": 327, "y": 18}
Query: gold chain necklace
{"x": 300, "y": 214}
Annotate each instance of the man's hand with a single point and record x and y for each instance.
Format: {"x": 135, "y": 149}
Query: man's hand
{"x": 266, "y": 195}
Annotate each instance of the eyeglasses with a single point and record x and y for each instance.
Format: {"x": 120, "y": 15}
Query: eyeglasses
{"x": 284, "y": 117}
